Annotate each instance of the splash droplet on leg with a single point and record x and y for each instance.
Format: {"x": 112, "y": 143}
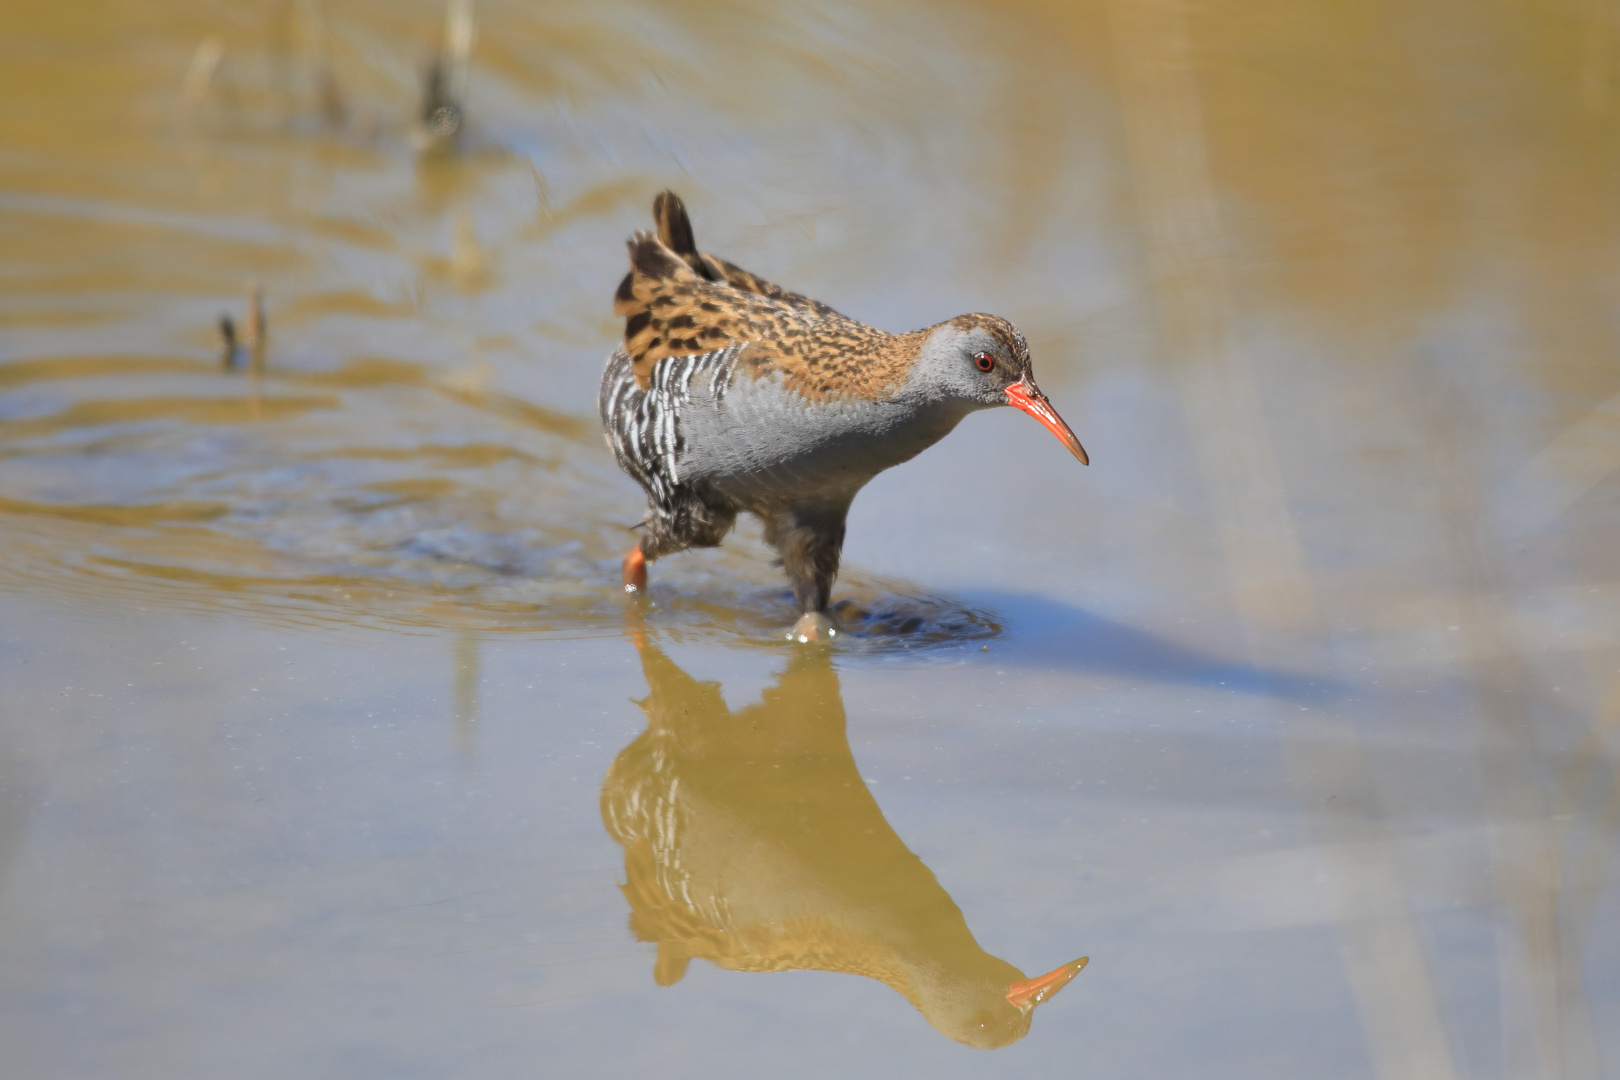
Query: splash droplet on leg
{"x": 635, "y": 571}
{"x": 817, "y": 626}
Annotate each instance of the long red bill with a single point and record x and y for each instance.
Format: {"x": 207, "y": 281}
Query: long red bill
{"x": 1023, "y": 395}
{"x": 1031, "y": 992}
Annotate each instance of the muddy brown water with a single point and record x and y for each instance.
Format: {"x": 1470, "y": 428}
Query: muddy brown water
{"x": 328, "y": 747}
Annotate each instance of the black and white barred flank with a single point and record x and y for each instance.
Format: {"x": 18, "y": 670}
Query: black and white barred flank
{"x": 644, "y": 430}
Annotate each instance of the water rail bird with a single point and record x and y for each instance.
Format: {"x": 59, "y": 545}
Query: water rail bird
{"x": 732, "y": 394}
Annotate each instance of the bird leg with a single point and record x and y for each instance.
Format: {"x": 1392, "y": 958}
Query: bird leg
{"x": 635, "y": 570}
{"x": 692, "y": 523}
{"x": 810, "y": 541}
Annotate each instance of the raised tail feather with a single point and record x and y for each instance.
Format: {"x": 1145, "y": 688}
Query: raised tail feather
{"x": 677, "y": 301}
{"x": 651, "y": 258}
{"x": 669, "y": 310}
{"x": 675, "y": 230}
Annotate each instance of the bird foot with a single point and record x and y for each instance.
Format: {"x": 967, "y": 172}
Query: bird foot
{"x": 635, "y": 571}
{"x": 818, "y": 626}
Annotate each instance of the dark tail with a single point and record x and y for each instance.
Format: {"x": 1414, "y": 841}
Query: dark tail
{"x": 675, "y": 230}
{"x": 651, "y": 258}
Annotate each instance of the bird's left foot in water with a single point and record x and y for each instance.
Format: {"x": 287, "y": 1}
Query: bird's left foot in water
{"x": 817, "y": 626}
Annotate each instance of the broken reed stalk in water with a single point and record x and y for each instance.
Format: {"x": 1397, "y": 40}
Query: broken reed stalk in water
{"x": 253, "y": 339}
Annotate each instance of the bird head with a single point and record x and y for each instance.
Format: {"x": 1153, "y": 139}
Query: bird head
{"x": 983, "y": 361}
{"x": 989, "y": 1003}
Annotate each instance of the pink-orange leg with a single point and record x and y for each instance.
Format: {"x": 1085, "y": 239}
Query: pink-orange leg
{"x": 635, "y": 571}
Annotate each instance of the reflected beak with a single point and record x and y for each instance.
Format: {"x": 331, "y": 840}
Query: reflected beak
{"x": 1024, "y": 395}
{"x": 1025, "y": 995}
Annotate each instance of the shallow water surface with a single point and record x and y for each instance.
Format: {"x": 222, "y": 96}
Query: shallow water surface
{"x": 330, "y": 747}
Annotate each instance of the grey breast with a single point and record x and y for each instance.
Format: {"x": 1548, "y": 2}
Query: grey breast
{"x": 756, "y": 441}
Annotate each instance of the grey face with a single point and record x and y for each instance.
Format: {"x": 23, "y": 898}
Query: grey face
{"x": 970, "y": 363}
{"x": 980, "y": 361}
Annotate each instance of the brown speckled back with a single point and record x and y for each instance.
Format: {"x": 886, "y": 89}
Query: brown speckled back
{"x": 671, "y": 310}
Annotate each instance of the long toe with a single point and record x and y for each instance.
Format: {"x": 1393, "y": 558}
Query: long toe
{"x": 817, "y": 626}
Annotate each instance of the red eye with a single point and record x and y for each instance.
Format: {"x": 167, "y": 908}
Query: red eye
{"x": 984, "y": 361}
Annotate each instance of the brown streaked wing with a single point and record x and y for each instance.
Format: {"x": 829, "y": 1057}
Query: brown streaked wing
{"x": 670, "y": 311}
{"x": 738, "y": 278}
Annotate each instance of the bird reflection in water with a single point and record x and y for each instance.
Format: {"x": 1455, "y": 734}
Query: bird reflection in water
{"x": 750, "y": 841}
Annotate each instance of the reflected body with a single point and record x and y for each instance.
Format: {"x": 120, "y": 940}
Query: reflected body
{"x": 751, "y": 841}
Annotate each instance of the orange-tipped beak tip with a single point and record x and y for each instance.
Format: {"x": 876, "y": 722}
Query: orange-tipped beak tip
{"x": 1024, "y": 396}
{"x": 1031, "y": 992}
